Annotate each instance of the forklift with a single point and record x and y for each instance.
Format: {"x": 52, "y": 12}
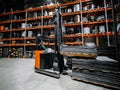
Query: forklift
{"x": 48, "y": 61}
{"x": 51, "y": 62}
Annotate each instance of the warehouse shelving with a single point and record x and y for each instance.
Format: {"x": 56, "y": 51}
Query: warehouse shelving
{"x": 7, "y": 39}
{"x": 22, "y": 29}
{"x": 48, "y": 28}
{"x": 15, "y": 12}
{"x": 87, "y": 23}
{"x": 13, "y": 21}
{"x": 19, "y": 30}
{"x": 17, "y": 45}
{"x": 86, "y": 11}
{"x": 86, "y": 35}
{"x": 81, "y": 24}
{"x": 74, "y": 2}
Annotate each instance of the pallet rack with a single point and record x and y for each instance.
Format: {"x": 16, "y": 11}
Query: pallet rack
{"x": 48, "y": 28}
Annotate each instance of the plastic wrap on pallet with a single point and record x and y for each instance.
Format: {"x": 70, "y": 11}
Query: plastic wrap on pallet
{"x": 100, "y": 72}
{"x": 100, "y": 78}
{"x": 105, "y": 66}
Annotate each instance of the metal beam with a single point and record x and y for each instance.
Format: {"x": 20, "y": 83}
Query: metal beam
{"x": 115, "y": 31}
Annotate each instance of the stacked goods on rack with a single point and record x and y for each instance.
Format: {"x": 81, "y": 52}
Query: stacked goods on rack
{"x": 105, "y": 72}
{"x": 29, "y": 54}
{"x": 1, "y": 52}
{"x": 20, "y": 52}
{"x": 5, "y": 51}
{"x": 13, "y": 52}
{"x": 79, "y": 51}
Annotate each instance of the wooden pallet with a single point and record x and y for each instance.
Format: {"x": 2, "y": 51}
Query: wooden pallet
{"x": 72, "y": 54}
{"x": 78, "y": 51}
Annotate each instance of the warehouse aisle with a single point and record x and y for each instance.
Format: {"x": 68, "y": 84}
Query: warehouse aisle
{"x": 18, "y": 74}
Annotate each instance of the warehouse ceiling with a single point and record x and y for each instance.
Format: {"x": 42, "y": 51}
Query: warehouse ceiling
{"x": 19, "y": 4}
{"x": 6, "y": 5}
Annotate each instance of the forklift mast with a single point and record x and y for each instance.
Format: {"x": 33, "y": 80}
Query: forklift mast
{"x": 58, "y": 38}
{"x": 58, "y": 29}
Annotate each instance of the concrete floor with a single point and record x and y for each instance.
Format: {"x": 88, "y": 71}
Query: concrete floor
{"x": 18, "y": 74}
